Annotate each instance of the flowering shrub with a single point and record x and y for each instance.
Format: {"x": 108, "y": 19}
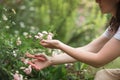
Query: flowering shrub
{"x": 44, "y": 35}
{"x": 22, "y": 25}
{"x": 28, "y": 70}
{"x": 17, "y": 76}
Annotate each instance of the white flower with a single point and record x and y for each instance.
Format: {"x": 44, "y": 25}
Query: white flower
{"x": 32, "y": 8}
{"x": 15, "y": 54}
{"x": 33, "y": 29}
{"x": 68, "y": 65}
{"x": 4, "y": 17}
{"x": 54, "y": 54}
{"x": 23, "y": 7}
{"x": 45, "y": 35}
{"x": 13, "y": 23}
{"x": 26, "y": 61}
{"x": 22, "y": 25}
{"x": 36, "y": 37}
{"x": 50, "y": 35}
{"x": 13, "y": 10}
{"x": 18, "y": 42}
{"x": 22, "y": 67}
{"x": 28, "y": 70}
{"x": 26, "y": 78}
{"x": 7, "y": 27}
{"x": 29, "y": 36}
{"x": 40, "y": 34}
{"x": 44, "y": 32}
{"x": 16, "y": 32}
{"x": 17, "y": 76}
{"x": 25, "y": 33}
{"x": 4, "y": 9}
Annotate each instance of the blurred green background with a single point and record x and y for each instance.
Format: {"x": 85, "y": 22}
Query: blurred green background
{"x": 74, "y": 22}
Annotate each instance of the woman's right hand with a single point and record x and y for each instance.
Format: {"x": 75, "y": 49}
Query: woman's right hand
{"x": 40, "y": 61}
{"x": 55, "y": 44}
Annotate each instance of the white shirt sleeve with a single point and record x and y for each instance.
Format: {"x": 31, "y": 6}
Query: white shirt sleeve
{"x": 109, "y": 34}
{"x": 117, "y": 34}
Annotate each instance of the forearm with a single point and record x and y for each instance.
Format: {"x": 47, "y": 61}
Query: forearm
{"x": 65, "y": 58}
{"x": 61, "y": 59}
{"x": 93, "y": 47}
{"x": 80, "y": 55}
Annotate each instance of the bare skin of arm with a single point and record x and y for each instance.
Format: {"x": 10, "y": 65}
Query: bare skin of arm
{"x": 39, "y": 64}
{"x": 98, "y": 53}
{"x": 94, "y": 47}
{"x": 106, "y": 54}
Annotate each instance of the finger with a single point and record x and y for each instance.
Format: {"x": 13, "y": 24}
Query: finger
{"x": 44, "y": 44}
{"x": 37, "y": 68}
{"x": 22, "y": 59}
{"x": 25, "y": 61}
{"x": 29, "y": 55}
{"x": 34, "y": 60}
{"x": 42, "y": 56}
{"x": 43, "y": 41}
{"x": 33, "y": 56}
{"x": 39, "y": 55}
{"x": 34, "y": 66}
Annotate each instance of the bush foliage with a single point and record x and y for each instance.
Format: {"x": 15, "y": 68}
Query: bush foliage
{"x": 74, "y": 22}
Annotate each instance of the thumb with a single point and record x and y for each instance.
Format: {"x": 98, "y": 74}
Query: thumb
{"x": 42, "y": 55}
{"x": 45, "y": 42}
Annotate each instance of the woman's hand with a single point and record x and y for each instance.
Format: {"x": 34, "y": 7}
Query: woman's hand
{"x": 51, "y": 43}
{"x": 38, "y": 65}
{"x": 40, "y": 61}
{"x": 40, "y": 57}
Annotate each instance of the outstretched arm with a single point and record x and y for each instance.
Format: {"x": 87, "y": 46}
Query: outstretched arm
{"x": 106, "y": 54}
{"x": 94, "y": 46}
{"x": 85, "y": 54}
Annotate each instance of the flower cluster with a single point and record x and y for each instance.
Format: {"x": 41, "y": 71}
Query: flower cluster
{"x": 44, "y": 35}
{"x": 17, "y": 76}
{"x": 18, "y": 42}
{"x": 27, "y": 70}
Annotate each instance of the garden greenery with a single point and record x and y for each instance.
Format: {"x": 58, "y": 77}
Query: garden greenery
{"x": 74, "y": 22}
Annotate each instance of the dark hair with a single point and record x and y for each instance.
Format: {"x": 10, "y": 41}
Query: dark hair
{"x": 115, "y": 21}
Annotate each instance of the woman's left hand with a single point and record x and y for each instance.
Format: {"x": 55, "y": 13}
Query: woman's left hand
{"x": 39, "y": 61}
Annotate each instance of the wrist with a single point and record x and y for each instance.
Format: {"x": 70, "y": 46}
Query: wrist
{"x": 51, "y": 60}
{"x": 59, "y": 46}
